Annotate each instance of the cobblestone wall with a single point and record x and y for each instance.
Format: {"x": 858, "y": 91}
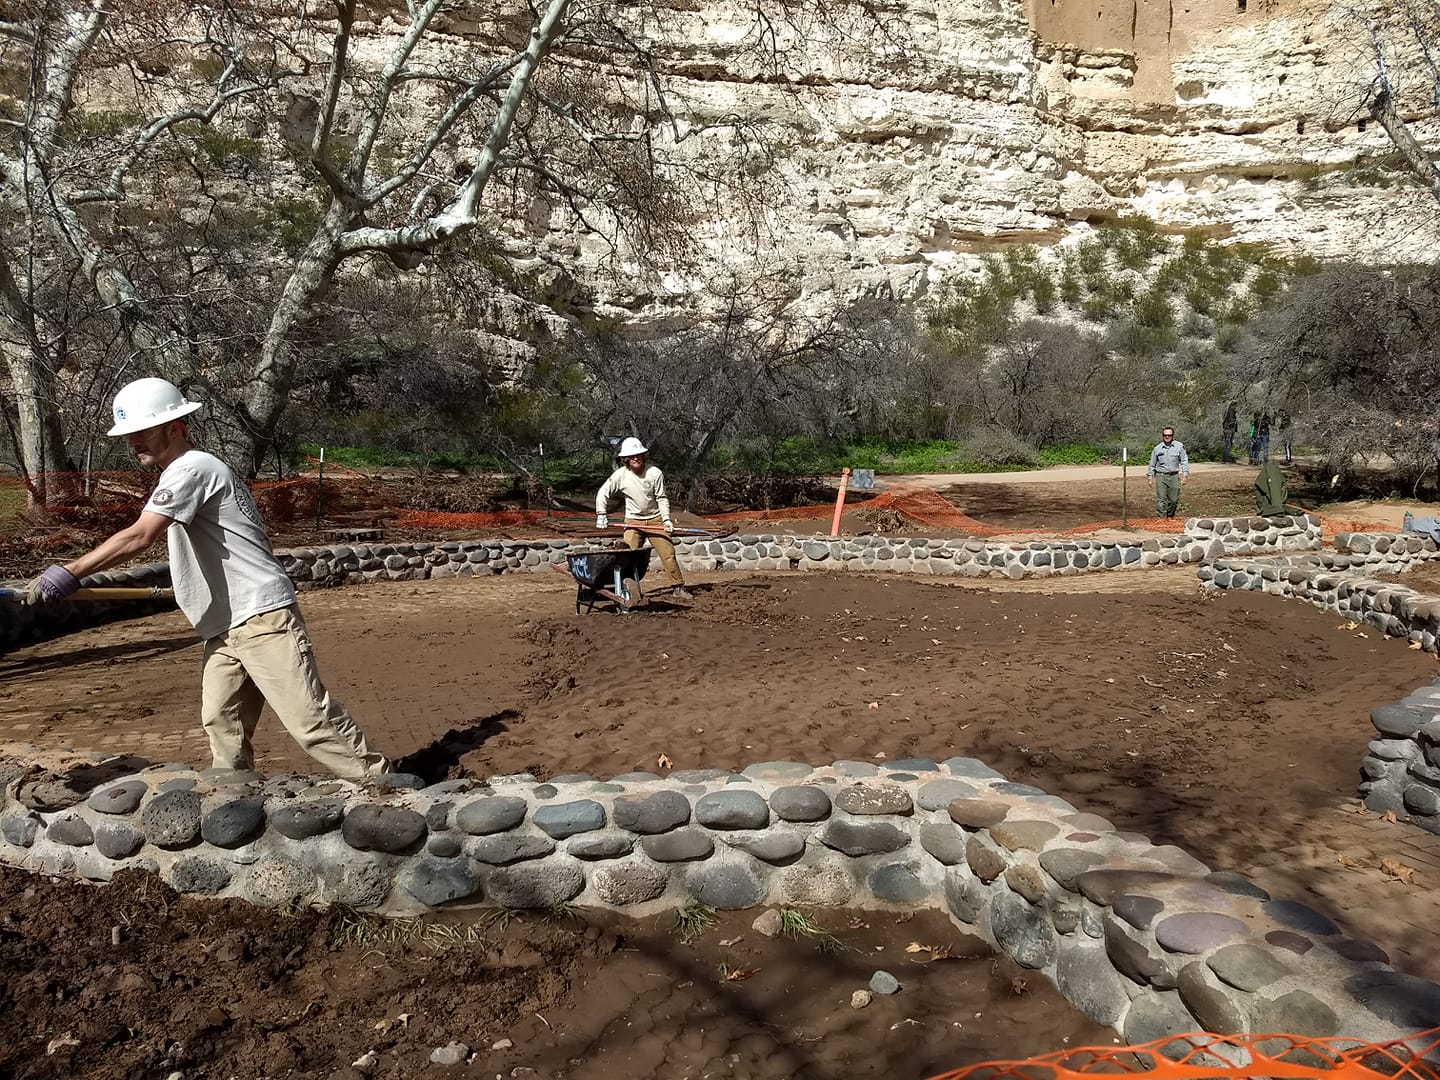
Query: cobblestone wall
{"x": 1141, "y": 937}
{"x": 349, "y": 564}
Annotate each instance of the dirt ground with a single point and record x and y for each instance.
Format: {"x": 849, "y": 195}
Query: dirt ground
{"x": 206, "y": 989}
{"x": 1231, "y": 725}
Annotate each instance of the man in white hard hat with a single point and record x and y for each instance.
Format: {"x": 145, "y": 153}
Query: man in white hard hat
{"x": 643, "y": 487}
{"x": 229, "y": 585}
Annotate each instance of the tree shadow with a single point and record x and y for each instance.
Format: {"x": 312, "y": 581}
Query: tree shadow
{"x": 440, "y": 760}
{"x": 125, "y": 650}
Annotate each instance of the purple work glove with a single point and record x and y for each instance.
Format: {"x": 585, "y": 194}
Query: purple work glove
{"x": 56, "y": 583}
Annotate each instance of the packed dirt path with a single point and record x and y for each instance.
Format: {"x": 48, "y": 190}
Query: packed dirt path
{"x": 1056, "y": 474}
{"x": 1231, "y": 724}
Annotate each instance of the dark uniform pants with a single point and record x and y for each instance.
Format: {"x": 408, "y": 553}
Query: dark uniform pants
{"x": 1167, "y": 494}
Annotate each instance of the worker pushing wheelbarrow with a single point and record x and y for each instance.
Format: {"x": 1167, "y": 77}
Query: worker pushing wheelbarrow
{"x": 647, "y": 509}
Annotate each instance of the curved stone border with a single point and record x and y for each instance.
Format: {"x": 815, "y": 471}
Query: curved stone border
{"x": 1401, "y": 767}
{"x": 1144, "y": 938}
{"x": 349, "y": 564}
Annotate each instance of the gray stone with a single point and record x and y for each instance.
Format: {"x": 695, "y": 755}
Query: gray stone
{"x": 898, "y": 883}
{"x": 820, "y": 885}
{"x": 986, "y": 863}
{"x": 1207, "y": 1000}
{"x": 1102, "y": 886}
{"x": 1026, "y": 880}
{"x": 915, "y": 765}
{"x": 1297, "y": 916}
{"x": 855, "y": 768}
{"x": 938, "y": 794}
{"x": 1236, "y": 884}
{"x": 1138, "y": 911}
{"x": 945, "y": 842}
{"x": 493, "y": 814}
{"x": 862, "y": 837}
{"x": 726, "y": 884}
{"x": 601, "y": 845}
{"x": 72, "y": 830}
{"x": 396, "y": 781}
{"x": 1289, "y": 941}
{"x": 1083, "y": 973}
{"x": 1067, "y": 864}
{"x": 535, "y": 885}
{"x": 1133, "y": 959}
{"x": 276, "y": 882}
{"x": 356, "y": 883}
{"x": 1362, "y": 952}
{"x": 1197, "y": 931}
{"x": 777, "y": 846}
{"x": 735, "y": 809}
{"x": 1421, "y": 799}
{"x": 629, "y": 882}
{"x": 197, "y": 874}
{"x": 1065, "y": 914}
{"x": 1022, "y": 930}
{"x": 304, "y": 820}
{"x": 800, "y": 803}
{"x": 455, "y": 1053}
{"x": 1090, "y": 823}
{"x": 1402, "y": 721}
{"x": 20, "y": 828}
{"x": 682, "y": 845}
{"x": 1177, "y": 860}
{"x": 1023, "y": 835}
{"x": 1155, "y": 1014}
{"x": 977, "y": 813}
{"x": 391, "y": 829}
{"x": 438, "y": 881}
{"x": 970, "y": 769}
{"x": 443, "y": 846}
{"x": 1296, "y": 1013}
{"x": 1408, "y": 1003}
{"x": 1009, "y": 787}
{"x": 437, "y": 816}
{"x": 172, "y": 819}
{"x": 690, "y": 776}
{"x": 869, "y": 799}
{"x": 778, "y": 770}
{"x": 121, "y": 798}
{"x": 561, "y": 820}
{"x": 117, "y": 840}
{"x": 234, "y": 823}
{"x": 964, "y": 896}
{"x": 651, "y": 814}
{"x": 883, "y": 983}
{"x": 49, "y": 795}
{"x": 507, "y": 849}
{"x": 545, "y": 791}
{"x": 1247, "y": 967}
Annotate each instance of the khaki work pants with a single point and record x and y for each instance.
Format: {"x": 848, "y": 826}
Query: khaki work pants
{"x": 663, "y": 545}
{"x": 269, "y": 658}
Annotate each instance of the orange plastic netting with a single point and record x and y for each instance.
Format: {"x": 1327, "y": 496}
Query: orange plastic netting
{"x": 1201, "y": 1056}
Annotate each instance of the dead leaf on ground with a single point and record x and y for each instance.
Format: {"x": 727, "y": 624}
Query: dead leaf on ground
{"x": 1398, "y": 870}
{"x": 872, "y": 705}
{"x": 664, "y": 762}
{"x": 740, "y": 974}
{"x": 1019, "y": 986}
{"x": 1415, "y": 645}
{"x": 1347, "y": 861}
{"x": 933, "y": 952}
{"x": 61, "y": 1042}
{"x": 1389, "y": 816}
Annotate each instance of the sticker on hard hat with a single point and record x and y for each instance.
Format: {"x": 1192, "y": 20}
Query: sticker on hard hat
{"x": 119, "y": 414}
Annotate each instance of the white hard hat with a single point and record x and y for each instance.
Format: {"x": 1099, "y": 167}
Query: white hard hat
{"x": 630, "y": 447}
{"x": 147, "y": 403}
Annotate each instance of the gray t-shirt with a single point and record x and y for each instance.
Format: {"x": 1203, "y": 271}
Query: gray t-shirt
{"x": 221, "y": 563}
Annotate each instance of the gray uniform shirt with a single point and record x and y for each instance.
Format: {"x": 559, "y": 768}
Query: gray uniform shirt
{"x": 221, "y": 563}
{"x": 1168, "y": 459}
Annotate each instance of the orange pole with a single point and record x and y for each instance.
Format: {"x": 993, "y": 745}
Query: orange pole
{"x": 840, "y": 501}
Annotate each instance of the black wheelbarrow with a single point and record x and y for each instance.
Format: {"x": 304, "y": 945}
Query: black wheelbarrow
{"x": 608, "y": 573}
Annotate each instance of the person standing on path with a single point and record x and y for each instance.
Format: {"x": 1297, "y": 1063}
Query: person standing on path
{"x": 1169, "y": 466}
{"x": 1264, "y": 438}
{"x": 229, "y": 585}
{"x": 1230, "y": 426}
{"x": 643, "y": 487}
{"x": 1255, "y": 439}
{"x": 1283, "y": 419}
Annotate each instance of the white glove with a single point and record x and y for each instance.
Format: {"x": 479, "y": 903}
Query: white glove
{"x": 601, "y": 521}
{"x": 669, "y": 526}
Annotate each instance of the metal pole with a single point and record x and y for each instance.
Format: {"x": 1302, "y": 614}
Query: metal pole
{"x": 1124, "y": 488}
{"x": 320, "y": 488}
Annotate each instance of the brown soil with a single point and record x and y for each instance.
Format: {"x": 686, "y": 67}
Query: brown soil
{"x": 218, "y": 989}
{"x": 1425, "y": 578}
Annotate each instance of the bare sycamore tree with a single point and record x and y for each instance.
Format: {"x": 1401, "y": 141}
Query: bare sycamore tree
{"x": 1404, "y": 39}
{"x": 1353, "y": 348}
{"x": 394, "y": 140}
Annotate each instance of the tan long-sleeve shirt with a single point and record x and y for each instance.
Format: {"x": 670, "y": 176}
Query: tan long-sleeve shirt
{"x": 645, "y": 497}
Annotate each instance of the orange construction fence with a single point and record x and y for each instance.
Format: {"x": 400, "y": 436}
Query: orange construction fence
{"x": 1202, "y": 1056}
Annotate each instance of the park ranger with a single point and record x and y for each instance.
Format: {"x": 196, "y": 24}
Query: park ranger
{"x": 1168, "y": 468}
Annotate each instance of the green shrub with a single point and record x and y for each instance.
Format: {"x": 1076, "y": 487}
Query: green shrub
{"x": 1072, "y": 454}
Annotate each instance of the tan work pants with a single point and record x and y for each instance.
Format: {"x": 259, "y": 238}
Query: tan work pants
{"x": 269, "y": 658}
{"x": 663, "y": 545}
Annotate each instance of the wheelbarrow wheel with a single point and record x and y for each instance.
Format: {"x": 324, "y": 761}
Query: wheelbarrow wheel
{"x": 631, "y": 596}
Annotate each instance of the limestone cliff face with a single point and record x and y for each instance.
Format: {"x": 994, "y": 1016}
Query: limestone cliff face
{"x": 908, "y": 140}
